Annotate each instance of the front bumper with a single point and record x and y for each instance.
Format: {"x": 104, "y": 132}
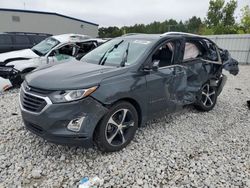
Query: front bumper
{"x": 51, "y": 124}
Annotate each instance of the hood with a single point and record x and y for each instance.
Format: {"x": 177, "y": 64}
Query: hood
{"x": 73, "y": 75}
{"x": 19, "y": 54}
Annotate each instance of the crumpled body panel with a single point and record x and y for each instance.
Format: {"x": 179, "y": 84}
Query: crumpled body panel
{"x": 229, "y": 63}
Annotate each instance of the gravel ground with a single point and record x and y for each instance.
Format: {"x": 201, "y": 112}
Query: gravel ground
{"x": 186, "y": 149}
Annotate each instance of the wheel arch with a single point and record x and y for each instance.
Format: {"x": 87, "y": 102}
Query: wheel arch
{"x": 134, "y": 103}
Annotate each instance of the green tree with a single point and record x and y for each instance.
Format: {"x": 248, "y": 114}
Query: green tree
{"x": 110, "y": 32}
{"x": 214, "y": 13}
{"x": 245, "y": 19}
{"x": 220, "y": 17}
{"x": 194, "y": 25}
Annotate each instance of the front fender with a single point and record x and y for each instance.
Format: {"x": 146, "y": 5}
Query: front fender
{"x": 120, "y": 87}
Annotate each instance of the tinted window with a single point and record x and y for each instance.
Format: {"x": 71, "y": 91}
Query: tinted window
{"x": 5, "y": 39}
{"x": 21, "y": 39}
{"x": 164, "y": 55}
{"x": 86, "y": 46}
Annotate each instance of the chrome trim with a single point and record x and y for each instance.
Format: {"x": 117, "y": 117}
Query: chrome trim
{"x": 47, "y": 100}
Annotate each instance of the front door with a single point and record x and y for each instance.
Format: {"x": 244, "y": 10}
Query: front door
{"x": 166, "y": 86}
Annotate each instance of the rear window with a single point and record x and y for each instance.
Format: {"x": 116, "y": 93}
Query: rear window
{"x": 5, "y": 39}
{"x": 22, "y": 39}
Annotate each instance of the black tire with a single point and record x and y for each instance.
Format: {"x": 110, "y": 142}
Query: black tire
{"x": 108, "y": 134}
{"x": 207, "y": 98}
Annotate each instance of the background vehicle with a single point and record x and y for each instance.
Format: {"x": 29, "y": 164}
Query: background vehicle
{"x": 11, "y": 41}
{"x": 56, "y": 49}
{"x": 120, "y": 86}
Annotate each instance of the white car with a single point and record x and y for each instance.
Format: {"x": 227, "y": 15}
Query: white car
{"x": 56, "y": 49}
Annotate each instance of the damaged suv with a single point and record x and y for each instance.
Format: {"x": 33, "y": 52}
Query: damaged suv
{"x": 120, "y": 85}
{"x": 53, "y": 50}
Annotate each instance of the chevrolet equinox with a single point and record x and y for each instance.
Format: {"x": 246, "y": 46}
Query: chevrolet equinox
{"x": 118, "y": 86}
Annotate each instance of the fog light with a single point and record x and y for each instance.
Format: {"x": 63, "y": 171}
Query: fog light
{"x": 75, "y": 124}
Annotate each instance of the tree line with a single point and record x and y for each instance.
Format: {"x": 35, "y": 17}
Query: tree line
{"x": 220, "y": 19}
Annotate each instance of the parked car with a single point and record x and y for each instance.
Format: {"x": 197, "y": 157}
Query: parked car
{"x": 119, "y": 86}
{"x": 10, "y": 41}
{"x": 53, "y": 50}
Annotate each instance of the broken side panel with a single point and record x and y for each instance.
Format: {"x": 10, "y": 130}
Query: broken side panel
{"x": 229, "y": 63}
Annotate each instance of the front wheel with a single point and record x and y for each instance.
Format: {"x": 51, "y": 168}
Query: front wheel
{"x": 207, "y": 98}
{"x": 117, "y": 128}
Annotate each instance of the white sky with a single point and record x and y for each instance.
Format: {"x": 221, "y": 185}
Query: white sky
{"x": 117, "y": 12}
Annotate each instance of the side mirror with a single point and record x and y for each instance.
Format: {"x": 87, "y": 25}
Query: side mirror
{"x": 153, "y": 67}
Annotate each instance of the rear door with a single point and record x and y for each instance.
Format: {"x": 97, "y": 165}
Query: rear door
{"x": 166, "y": 86}
{"x": 6, "y": 43}
{"x": 201, "y": 63}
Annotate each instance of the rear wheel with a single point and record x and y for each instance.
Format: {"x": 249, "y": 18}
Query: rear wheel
{"x": 117, "y": 128}
{"x": 207, "y": 98}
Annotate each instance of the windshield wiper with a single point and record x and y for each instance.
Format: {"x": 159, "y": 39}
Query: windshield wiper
{"x": 103, "y": 60}
{"x": 125, "y": 56}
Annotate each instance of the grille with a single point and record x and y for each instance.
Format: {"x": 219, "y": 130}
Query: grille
{"x": 32, "y": 103}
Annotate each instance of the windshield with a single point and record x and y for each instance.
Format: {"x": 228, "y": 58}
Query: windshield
{"x": 45, "y": 46}
{"x": 118, "y": 52}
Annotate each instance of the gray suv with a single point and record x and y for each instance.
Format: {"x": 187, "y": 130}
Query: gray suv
{"x": 120, "y": 85}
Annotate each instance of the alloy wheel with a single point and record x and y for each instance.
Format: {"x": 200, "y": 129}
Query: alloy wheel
{"x": 208, "y": 95}
{"x": 118, "y": 127}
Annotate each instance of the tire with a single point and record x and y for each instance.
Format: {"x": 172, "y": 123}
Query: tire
{"x": 115, "y": 131}
{"x": 207, "y": 98}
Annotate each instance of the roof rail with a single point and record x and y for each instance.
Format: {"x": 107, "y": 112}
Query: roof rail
{"x": 179, "y": 33}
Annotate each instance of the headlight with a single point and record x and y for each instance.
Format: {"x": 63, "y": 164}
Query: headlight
{"x": 71, "y": 95}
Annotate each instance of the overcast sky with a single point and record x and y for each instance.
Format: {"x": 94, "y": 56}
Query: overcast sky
{"x": 118, "y": 12}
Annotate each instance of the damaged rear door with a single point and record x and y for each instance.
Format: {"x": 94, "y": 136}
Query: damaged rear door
{"x": 202, "y": 63}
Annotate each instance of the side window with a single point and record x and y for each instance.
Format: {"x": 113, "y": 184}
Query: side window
{"x": 191, "y": 51}
{"x": 67, "y": 50}
{"x": 164, "y": 54}
{"x": 5, "y": 39}
{"x": 22, "y": 39}
{"x": 86, "y": 46}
